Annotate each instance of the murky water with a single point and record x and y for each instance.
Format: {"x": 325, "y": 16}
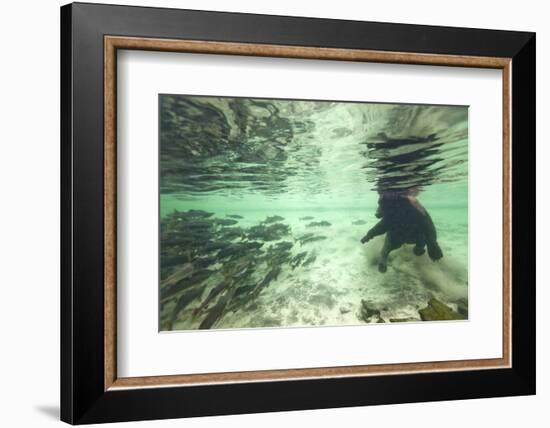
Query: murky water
{"x": 264, "y": 204}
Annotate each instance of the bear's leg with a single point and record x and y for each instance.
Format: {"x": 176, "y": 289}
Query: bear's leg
{"x": 389, "y": 245}
{"x": 434, "y": 251}
{"x": 420, "y": 244}
{"x": 379, "y": 229}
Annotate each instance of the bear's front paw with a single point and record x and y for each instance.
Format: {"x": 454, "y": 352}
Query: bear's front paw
{"x": 434, "y": 251}
{"x": 419, "y": 251}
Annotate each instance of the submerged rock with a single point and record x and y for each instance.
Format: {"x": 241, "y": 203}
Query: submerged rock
{"x": 307, "y": 217}
{"x": 366, "y": 311}
{"x": 437, "y": 311}
{"x": 237, "y": 216}
{"x": 462, "y": 306}
{"x": 406, "y": 319}
{"x": 359, "y": 222}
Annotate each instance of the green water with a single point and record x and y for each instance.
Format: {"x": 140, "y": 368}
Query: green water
{"x": 319, "y": 167}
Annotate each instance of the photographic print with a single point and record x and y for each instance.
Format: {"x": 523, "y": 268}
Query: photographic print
{"x": 301, "y": 213}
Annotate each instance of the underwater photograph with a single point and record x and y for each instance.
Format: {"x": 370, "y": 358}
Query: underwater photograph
{"x": 302, "y": 213}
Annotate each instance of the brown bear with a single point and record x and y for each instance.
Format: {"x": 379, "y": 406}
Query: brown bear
{"x": 404, "y": 221}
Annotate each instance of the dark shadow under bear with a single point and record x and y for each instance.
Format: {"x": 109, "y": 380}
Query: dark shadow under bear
{"x": 404, "y": 221}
